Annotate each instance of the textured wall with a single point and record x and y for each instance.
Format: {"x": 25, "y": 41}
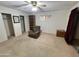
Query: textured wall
{"x": 57, "y": 20}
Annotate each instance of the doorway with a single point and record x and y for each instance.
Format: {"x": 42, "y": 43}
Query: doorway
{"x": 8, "y": 24}
{"x": 22, "y": 24}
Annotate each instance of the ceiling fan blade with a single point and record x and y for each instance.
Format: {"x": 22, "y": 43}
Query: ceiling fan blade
{"x": 42, "y": 5}
{"x": 27, "y": 2}
{"x": 40, "y": 9}
{"x": 21, "y": 5}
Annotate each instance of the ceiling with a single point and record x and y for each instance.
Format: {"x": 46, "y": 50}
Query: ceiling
{"x": 50, "y": 5}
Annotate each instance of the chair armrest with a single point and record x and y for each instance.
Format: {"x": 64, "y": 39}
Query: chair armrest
{"x": 30, "y": 31}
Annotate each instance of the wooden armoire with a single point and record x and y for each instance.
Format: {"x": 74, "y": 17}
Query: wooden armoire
{"x": 32, "y": 22}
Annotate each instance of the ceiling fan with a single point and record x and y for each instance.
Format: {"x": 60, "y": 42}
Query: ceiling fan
{"x": 34, "y": 4}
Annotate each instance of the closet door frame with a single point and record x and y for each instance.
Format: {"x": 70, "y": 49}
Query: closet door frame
{"x": 11, "y": 22}
{"x": 23, "y": 23}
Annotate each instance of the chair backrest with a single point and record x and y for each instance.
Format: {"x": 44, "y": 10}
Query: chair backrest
{"x": 36, "y": 28}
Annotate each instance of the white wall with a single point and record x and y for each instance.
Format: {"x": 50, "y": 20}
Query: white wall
{"x": 27, "y": 23}
{"x": 77, "y": 5}
{"x": 58, "y": 20}
{"x": 6, "y": 25}
{"x": 3, "y": 35}
{"x": 17, "y": 26}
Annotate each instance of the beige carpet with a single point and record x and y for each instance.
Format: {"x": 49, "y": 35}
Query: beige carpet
{"x": 46, "y": 45}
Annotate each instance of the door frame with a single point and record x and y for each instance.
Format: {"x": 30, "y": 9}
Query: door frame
{"x": 23, "y": 23}
{"x": 11, "y": 21}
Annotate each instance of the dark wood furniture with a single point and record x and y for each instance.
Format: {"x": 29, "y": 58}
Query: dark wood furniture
{"x": 35, "y": 33}
{"x": 60, "y": 33}
{"x": 32, "y": 22}
{"x": 34, "y": 30}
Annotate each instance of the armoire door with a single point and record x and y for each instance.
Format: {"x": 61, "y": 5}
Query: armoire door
{"x": 31, "y": 21}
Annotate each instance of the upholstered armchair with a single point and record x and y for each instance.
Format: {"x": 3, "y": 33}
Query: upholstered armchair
{"x": 35, "y": 32}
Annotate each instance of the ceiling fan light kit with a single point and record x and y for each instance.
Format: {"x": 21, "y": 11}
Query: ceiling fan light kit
{"x": 34, "y": 9}
{"x": 34, "y": 6}
{"x": 34, "y": 3}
